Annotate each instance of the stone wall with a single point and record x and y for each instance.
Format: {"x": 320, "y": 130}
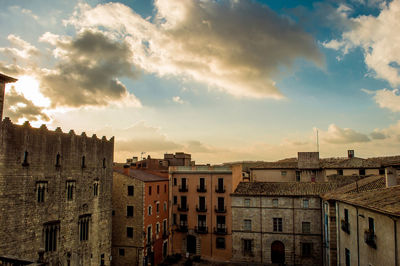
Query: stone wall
{"x": 262, "y": 233}
{"x": 32, "y": 158}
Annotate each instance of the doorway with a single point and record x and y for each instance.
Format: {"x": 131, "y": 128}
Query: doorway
{"x": 277, "y": 252}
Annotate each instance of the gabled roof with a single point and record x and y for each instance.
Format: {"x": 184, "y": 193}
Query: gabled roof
{"x": 284, "y": 188}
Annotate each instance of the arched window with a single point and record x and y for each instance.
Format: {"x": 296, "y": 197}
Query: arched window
{"x": 58, "y": 157}
{"x": 25, "y": 162}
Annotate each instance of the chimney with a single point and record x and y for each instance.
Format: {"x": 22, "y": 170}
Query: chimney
{"x": 126, "y": 169}
{"x": 350, "y": 154}
{"x": 391, "y": 176}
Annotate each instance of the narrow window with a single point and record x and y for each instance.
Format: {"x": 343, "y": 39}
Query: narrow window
{"x": 306, "y": 249}
{"x": 298, "y": 176}
{"x": 247, "y": 202}
{"x": 305, "y": 203}
{"x": 104, "y": 162}
{"x": 149, "y": 190}
{"x": 158, "y": 189}
{"x": 50, "y": 238}
{"x": 129, "y": 211}
{"x": 175, "y": 200}
{"x": 277, "y": 224}
{"x": 70, "y": 190}
{"x": 130, "y": 190}
{"x": 371, "y": 225}
{"x": 83, "y": 165}
{"x": 84, "y": 227}
{"x": 175, "y": 182}
{"x": 25, "y": 161}
{"x": 122, "y": 252}
{"x": 102, "y": 261}
{"x": 306, "y": 227}
{"x": 165, "y": 188}
{"x": 58, "y": 157}
{"x": 157, "y": 228}
{"x": 248, "y": 247}
{"x": 347, "y": 252}
{"x": 41, "y": 188}
{"x": 165, "y": 206}
{"x": 96, "y": 189}
{"x": 275, "y": 202}
{"x": 158, "y": 207}
{"x": 149, "y": 210}
{"x": 174, "y": 218}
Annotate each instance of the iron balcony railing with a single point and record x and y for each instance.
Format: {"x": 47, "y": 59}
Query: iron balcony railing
{"x": 220, "y": 209}
{"x": 201, "y": 189}
{"x": 220, "y": 229}
{"x": 201, "y": 208}
{"x": 183, "y": 208}
{"x": 201, "y": 229}
{"x": 183, "y": 188}
{"x": 220, "y": 189}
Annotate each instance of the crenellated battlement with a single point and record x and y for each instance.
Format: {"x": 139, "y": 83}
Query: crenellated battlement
{"x": 41, "y": 148}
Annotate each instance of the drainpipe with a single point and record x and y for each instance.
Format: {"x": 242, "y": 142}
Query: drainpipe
{"x": 358, "y": 240}
{"x": 321, "y": 207}
{"x": 395, "y": 242}
{"x": 261, "y": 231}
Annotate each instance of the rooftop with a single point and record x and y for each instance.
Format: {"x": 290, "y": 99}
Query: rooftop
{"x": 142, "y": 175}
{"x": 284, "y": 188}
{"x": 6, "y": 79}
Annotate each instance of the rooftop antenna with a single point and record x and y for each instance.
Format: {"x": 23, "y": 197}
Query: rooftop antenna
{"x": 141, "y": 155}
{"x": 317, "y": 142}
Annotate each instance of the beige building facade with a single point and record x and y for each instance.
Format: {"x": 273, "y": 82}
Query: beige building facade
{"x": 201, "y": 217}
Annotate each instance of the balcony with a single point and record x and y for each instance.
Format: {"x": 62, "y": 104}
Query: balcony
{"x": 201, "y": 229}
{"x": 184, "y": 208}
{"x": 182, "y": 227}
{"x": 201, "y": 189}
{"x": 220, "y": 189}
{"x": 201, "y": 209}
{"x": 183, "y": 188}
{"x": 370, "y": 238}
{"x": 220, "y": 229}
{"x": 165, "y": 235}
{"x": 220, "y": 209}
{"x": 345, "y": 226}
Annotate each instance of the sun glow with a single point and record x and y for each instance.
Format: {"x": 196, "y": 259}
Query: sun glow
{"x": 29, "y": 87}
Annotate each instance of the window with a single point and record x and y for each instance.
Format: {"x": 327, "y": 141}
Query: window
{"x": 247, "y": 225}
{"x": 202, "y": 203}
{"x": 83, "y": 164}
{"x": 306, "y": 227}
{"x": 41, "y": 188}
{"x": 165, "y": 227}
{"x": 70, "y": 190}
{"x": 175, "y": 182}
{"x": 130, "y": 191}
{"x": 96, "y": 188}
{"x": 221, "y": 226}
{"x": 58, "y": 157}
{"x": 25, "y": 161}
{"x": 84, "y": 227}
{"x": 50, "y": 236}
{"x": 346, "y": 215}
{"x": 347, "y": 252}
{"x": 165, "y": 188}
{"x": 298, "y": 176}
{"x": 129, "y": 211}
{"x": 102, "y": 260}
{"x": 221, "y": 185}
{"x": 174, "y": 218}
{"x": 201, "y": 221}
{"x": 122, "y": 252}
{"x": 371, "y": 225}
{"x": 165, "y": 206}
{"x": 158, "y": 189}
{"x": 382, "y": 171}
{"x": 275, "y": 202}
{"x": 361, "y": 171}
{"x": 104, "y": 163}
{"x": 150, "y": 210}
{"x": 157, "y": 228}
{"x": 283, "y": 173}
{"x": 340, "y": 171}
{"x": 158, "y": 207}
{"x": 247, "y": 246}
{"x": 149, "y": 231}
{"x": 277, "y": 224}
{"x": 183, "y": 202}
{"x": 175, "y": 200}
{"x": 221, "y": 203}
{"x": 129, "y": 232}
{"x": 220, "y": 243}
{"x": 247, "y": 202}
{"x": 306, "y": 249}
{"x": 305, "y": 203}
{"x": 149, "y": 190}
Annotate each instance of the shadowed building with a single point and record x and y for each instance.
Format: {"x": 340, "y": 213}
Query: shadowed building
{"x": 55, "y": 195}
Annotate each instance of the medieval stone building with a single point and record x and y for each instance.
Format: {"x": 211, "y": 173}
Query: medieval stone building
{"x": 55, "y": 194}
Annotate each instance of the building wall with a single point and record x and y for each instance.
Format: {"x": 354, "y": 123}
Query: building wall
{"x": 329, "y": 223}
{"x": 291, "y": 210}
{"x": 349, "y": 172}
{"x": 2, "y": 90}
{"x": 23, "y": 217}
{"x": 360, "y": 252}
{"x": 133, "y": 247}
{"x": 206, "y": 243}
{"x": 273, "y": 175}
{"x": 154, "y": 218}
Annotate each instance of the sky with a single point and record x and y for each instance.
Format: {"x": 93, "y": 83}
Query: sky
{"x": 224, "y": 80}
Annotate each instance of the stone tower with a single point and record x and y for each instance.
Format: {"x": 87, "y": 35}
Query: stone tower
{"x": 3, "y": 81}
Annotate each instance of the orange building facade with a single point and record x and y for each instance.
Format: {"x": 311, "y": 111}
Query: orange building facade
{"x": 200, "y": 212}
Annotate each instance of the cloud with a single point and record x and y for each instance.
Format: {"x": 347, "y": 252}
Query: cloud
{"x": 376, "y": 37}
{"x": 87, "y": 70}
{"x": 377, "y": 135}
{"x": 18, "y": 108}
{"x": 177, "y": 99}
{"x": 24, "y": 49}
{"x": 239, "y": 47}
{"x": 337, "y": 135}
